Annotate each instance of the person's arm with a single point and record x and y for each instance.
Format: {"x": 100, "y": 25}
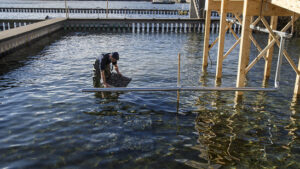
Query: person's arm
{"x": 104, "y": 79}
{"x": 117, "y": 69}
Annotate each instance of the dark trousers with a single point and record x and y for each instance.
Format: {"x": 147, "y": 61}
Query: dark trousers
{"x": 97, "y": 75}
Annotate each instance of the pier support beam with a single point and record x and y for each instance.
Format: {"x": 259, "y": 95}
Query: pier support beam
{"x": 244, "y": 48}
{"x": 193, "y": 10}
{"x": 268, "y": 63}
{"x": 206, "y": 36}
{"x": 297, "y": 83}
{"x": 222, "y": 32}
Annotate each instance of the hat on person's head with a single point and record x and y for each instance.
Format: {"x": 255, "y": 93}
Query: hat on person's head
{"x": 115, "y": 55}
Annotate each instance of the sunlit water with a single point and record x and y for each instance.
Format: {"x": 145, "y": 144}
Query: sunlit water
{"x": 46, "y": 121}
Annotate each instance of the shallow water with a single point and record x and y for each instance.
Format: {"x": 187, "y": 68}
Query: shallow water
{"x": 47, "y": 122}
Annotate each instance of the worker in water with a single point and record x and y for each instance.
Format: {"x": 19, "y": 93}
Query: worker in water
{"x": 102, "y": 66}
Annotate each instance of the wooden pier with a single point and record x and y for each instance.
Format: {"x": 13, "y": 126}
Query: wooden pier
{"x": 248, "y": 13}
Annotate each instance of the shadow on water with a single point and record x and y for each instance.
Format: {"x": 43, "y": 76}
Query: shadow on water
{"x": 18, "y": 58}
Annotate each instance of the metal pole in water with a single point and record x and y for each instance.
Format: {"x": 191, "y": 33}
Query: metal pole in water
{"x": 178, "y": 72}
{"x": 279, "y": 62}
{"x": 178, "y": 80}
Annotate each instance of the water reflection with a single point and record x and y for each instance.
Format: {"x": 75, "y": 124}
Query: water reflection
{"x": 62, "y": 127}
{"x": 19, "y": 57}
{"x": 226, "y": 135}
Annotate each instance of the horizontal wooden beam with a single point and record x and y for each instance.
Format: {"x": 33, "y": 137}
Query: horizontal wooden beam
{"x": 255, "y": 8}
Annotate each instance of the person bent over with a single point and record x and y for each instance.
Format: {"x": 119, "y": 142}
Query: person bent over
{"x": 104, "y": 62}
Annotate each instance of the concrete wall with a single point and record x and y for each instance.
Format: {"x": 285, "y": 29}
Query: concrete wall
{"x": 14, "y": 38}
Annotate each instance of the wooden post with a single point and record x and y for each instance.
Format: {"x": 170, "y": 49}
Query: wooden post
{"x": 248, "y": 58}
{"x": 297, "y": 83}
{"x": 268, "y": 63}
{"x": 106, "y": 9}
{"x": 206, "y": 36}
{"x": 244, "y": 48}
{"x": 222, "y": 32}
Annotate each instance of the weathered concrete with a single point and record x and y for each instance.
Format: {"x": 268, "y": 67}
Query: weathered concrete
{"x": 129, "y": 21}
{"x": 14, "y": 38}
{"x": 136, "y": 25}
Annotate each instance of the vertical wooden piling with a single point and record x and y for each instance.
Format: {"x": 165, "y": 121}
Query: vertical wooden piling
{"x": 244, "y": 48}
{"x": 268, "y": 63}
{"x": 297, "y": 83}
{"x": 222, "y": 32}
{"x": 206, "y": 36}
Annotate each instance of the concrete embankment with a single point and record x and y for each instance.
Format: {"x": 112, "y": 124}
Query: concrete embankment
{"x": 14, "y": 38}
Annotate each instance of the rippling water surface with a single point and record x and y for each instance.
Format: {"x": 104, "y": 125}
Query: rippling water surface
{"x": 47, "y": 122}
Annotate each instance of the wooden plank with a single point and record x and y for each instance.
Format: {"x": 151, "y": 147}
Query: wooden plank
{"x": 287, "y": 26}
{"x": 268, "y": 63}
{"x": 193, "y": 3}
{"x": 254, "y": 8}
{"x": 244, "y": 47}
{"x": 222, "y": 32}
{"x": 213, "y": 44}
{"x": 292, "y": 5}
{"x": 278, "y": 44}
{"x": 255, "y": 43}
{"x": 256, "y": 21}
{"x": 233, "y": 33}
{"x": 233, "y": 46}
{"x": 206, "y": 36}
{"x": 270, "y": 45}
{"x": 216, "y": 40}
